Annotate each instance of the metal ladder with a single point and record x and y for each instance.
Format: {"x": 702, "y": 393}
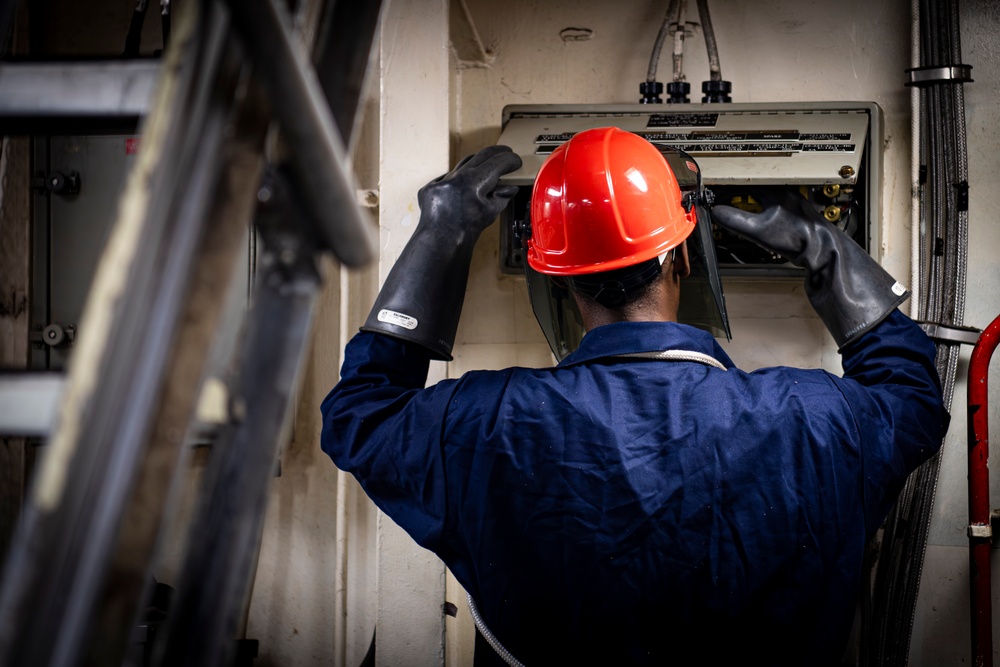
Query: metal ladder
{"x": 242, "y": 125}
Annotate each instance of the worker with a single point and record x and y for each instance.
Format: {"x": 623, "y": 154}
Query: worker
{"x": 644, "y": 502}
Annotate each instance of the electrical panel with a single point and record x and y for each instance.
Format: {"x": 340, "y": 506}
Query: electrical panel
{"x": 830, "y": 152}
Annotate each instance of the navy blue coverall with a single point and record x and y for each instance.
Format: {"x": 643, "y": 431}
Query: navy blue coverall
{"x": 623, "y": 511}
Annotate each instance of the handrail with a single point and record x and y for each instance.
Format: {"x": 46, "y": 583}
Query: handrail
{"x": 980, "y": 530}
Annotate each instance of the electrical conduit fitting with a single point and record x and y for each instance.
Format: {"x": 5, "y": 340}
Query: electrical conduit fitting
{"x": 651, "y": 91}
{"x": 716, "y": 91}
{"x": 679, "y": 91}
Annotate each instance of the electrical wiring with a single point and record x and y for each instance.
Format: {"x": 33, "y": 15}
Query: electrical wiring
{"x": 941, "y": 256}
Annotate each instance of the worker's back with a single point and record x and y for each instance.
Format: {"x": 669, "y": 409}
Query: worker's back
{"x": 625, "y": 510}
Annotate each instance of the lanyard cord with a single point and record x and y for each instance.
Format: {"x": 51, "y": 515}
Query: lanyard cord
{"x": 676, "y": 355}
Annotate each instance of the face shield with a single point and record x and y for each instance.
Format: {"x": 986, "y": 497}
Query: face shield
{"x": 702, "y": 302}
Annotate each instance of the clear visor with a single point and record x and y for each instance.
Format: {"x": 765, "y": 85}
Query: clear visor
{"x": 702, "y": 302}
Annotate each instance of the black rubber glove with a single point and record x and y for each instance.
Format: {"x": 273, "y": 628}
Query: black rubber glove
{"x": 421, "y": 299}
{"x": 848, "y": 289}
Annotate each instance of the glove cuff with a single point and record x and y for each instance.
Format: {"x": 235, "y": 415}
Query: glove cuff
{"x": 850, "y": 291}
{"x": 421, "y": 299}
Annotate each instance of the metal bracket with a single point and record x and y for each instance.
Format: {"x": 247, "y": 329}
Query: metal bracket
{"x": 53, "y": 335}
{"x": 57, "y": 183}
{"x": 692, "y": 199}
{"x": 980, "y": 531}
{"x": 29, "y": 403}
{"x": 929, "y": 76}
{"x": 40, "y": 93}
{"x": 522, "y": 229}
{"x": 962, "y": 191}
{"x": 949, "y": 333}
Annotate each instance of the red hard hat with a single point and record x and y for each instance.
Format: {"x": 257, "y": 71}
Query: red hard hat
{"x": 604, "y": 200}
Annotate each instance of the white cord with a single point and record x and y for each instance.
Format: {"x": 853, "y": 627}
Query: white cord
{"x": 678, "y": 56}
{"x": 677, "y": 355}
{"x": 490, "y": 638}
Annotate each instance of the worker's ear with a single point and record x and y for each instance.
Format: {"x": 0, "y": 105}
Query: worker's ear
{"x": 682, "y": 261}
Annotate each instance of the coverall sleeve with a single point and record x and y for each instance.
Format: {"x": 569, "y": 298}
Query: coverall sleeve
{"x": 893, "y": 387}
{"x": 384, "y": 427}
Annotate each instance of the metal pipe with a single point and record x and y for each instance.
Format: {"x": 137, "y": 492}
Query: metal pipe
{"x": 29, "y": 403}
{"x": 714, "y": 68}
{"x": 678, "y": 56}
{"x": 322, "y": 174}
{"x": 962, "y": 163}
{"x": 8, "y": 11}
{"x": 915, "y": 187}
{"x": 111, "y": 89}
{"x": 981, "y": 603}
{"x": 654, "y": 58}
{"x": 134, "y": 36}
{"x": 340, "y": 573}
{"x": 224, "y": 539}
{"x": 341, "y": 536}
{"x": 923, "y": 269}
{"x": 937, "y": 212}
{"x": 343, "y": 59}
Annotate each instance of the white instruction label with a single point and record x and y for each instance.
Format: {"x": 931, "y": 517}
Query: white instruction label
{"x": 399, "y": 319}
{"x": 898, "y": 289}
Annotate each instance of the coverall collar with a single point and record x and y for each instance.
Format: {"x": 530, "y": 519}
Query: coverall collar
{"x": 628, "y": 337}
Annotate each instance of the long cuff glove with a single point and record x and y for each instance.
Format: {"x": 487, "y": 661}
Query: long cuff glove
{"x": 847, "y": 288}
{"x": 421, "y": 299}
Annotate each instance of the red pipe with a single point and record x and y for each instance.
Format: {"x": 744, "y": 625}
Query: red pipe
{"x": 979, "y": 497}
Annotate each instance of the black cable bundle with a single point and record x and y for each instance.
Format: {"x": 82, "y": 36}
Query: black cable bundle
{"x": 942, "y": 271}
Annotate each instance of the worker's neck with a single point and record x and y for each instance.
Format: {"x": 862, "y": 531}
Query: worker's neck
{"x": 601, "y": 316}
{"x": 662, "y": 308}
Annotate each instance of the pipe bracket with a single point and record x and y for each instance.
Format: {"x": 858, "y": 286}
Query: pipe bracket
{"x": 982, "y": 531}
{"x": 951, "y": 333}
{"x": 929, "y": 76}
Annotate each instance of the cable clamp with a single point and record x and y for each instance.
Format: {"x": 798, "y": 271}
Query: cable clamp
{"x": 982, "y": 531}
{"x": 962, "y": 195}
{"x": 950, "y": 333}
{"x": 929, "y": 76}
